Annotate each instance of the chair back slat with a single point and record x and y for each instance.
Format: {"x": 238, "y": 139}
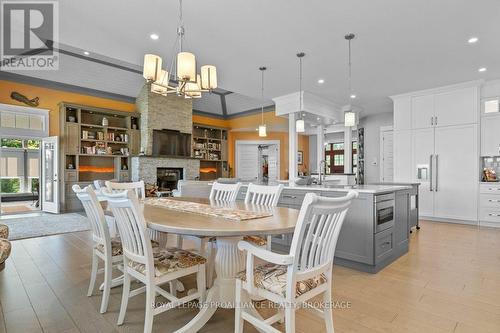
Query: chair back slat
{"x": 137, "y": 187}
{"x": 263, "y": 195}
{"x": 132, "y": 227}
{"x": 94, "y": 212}
{"x": 318, "y": 227}
{"x": 224, "y": 192}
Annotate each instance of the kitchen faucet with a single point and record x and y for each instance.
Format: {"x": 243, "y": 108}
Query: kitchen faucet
{"x": 322, "y": 166}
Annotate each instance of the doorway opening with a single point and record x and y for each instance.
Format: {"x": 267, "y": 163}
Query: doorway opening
{"x": 20, "y": 162}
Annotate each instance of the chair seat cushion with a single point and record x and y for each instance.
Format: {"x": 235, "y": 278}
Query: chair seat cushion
{"x": 116, "y": 247}
{"x": 272, "y": 278}
{"x": 4, "y": 231}
{"x": 256, "y": 240}
{"x": 5, "y": 248}
{"x": 170, "y": 260}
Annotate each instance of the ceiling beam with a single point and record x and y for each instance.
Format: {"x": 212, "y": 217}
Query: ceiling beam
{"x": 223, "y": 105}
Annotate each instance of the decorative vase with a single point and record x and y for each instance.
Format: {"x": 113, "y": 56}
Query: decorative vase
{"x": 104, "y": 121}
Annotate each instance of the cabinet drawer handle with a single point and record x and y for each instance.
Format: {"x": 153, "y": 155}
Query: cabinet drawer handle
{"x": 493, "y": 200}
{"x": 290, "y": 196}
{"x": 386, "y": 243}
{"x": 493, "y": 189}
{"x": 491, "y": 214}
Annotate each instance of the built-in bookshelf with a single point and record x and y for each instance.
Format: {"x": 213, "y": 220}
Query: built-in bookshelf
{"x": 210, "y": 147}
{"x": 96, "y": 144}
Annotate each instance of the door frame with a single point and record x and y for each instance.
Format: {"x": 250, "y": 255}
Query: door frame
{"x": 381, "y": 149}
{"x": 239, "y": 143}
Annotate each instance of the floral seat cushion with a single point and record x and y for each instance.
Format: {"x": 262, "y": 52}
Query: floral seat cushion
{"x": 4, "y": 231}
{"x": 116, "y": 247}
{"x": 256, "y": 240}
{"x": 170, "y": 260}
{"x": 272, "y": 278}
{"x": 5, "y": 248}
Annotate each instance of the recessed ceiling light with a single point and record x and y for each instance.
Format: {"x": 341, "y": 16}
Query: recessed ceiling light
{"x": 86, "y": 53}
{"x": 303, "y": 114}
{"x": 154, "y": 36}
{"x": 318, "y": 119}
{"x": 353, "y": 96}
{"x": 482, "y": 69}
{"x": 473, "y": 40}
{"x": 321, "y": 81}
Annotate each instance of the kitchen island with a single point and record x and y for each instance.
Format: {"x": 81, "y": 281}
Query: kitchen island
{"x": 377, "y": 226}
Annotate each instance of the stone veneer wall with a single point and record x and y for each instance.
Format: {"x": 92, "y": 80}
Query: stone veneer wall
{"x": 144, "y": 167}
{"x": 162, "y": 112}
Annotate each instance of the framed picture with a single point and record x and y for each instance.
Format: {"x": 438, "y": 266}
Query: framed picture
{"x": 300, "y": 157}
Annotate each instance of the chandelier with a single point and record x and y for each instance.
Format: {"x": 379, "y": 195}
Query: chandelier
{"x": 181, "y": 78}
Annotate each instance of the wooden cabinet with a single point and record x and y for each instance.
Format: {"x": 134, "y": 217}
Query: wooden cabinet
{"x": 490, "y": 136}
{"x": 135, "y": 142}
{"x": 422, "y": 111}
{"x": 72, "y": 138}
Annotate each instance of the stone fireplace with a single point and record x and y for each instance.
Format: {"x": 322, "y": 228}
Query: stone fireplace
{"x": 158, "y": 113}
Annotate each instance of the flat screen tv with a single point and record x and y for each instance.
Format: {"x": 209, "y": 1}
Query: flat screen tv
{"x": 171, "y": 143}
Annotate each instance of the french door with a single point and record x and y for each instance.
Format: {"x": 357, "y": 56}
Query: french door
{"x": 49, "y": 185}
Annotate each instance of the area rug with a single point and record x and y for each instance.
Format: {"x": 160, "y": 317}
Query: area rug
{"x": 44, "y": 225}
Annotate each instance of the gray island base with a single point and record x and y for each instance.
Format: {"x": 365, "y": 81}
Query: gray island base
{"x": 376, "y": 230}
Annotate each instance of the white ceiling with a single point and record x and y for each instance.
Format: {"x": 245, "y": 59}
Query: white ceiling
{"x": 401, "y": 45}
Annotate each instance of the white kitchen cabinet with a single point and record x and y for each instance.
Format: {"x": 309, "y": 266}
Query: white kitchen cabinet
{"x": 402, "y": 150}
{"x": 423, "y": 151}
{"x": 422, "y": 111}
{"x": 440, "y": 150}
{"x": 455, "y": 172}
{"x": 456, "y": 107}
{"x": 489, "y": 200}
{"x": 490, "y": 136}
{"x": 402, "y": 113}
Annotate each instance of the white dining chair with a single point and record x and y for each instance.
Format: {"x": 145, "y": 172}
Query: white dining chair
{"x": 140, "y": 191}
{"x": 104, "y": 247}
{"x": 153, "y": 269}
{"x": 262, "y": 195}
{"x": 224, "y": 192}
{"x": 291, "y": 280}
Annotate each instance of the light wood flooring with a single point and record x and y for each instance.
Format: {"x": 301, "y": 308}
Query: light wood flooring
{"x": 449, "y": 282}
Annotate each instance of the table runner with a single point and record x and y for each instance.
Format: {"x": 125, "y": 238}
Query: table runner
{"x": 207, "y": 210}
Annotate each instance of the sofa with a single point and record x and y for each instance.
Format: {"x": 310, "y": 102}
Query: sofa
{"x": 5, "y": 245}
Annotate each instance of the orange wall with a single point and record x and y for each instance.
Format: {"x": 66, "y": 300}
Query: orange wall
{"x": 50, "y": 98}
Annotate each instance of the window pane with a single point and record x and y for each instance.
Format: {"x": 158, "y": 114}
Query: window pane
{"x": 338, "y": 146}
{"x": 328, "y": 147}
{"x": 10, "y": 185}
{"x": 12, "y": 143}
{"x": 355, "y": 145}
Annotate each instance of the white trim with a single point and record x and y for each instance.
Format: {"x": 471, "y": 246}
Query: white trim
{"x": 257, "y": 142}
{"x": 25, "y": 133}
{"x": 381, "y": 149}
{"x": 437, "y": 90}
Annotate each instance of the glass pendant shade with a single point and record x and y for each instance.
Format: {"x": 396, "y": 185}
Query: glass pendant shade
{"x": 186, "y": 66}
{"x": 160, "y": 85}
{"x": 193, "y": 89}
{"x": 262, "y": 131}
{"x": 152, "y": 67}
{"x": 208, "y": 77}
{"x": 349, "y": 119}
{"x": 300, "y": 126}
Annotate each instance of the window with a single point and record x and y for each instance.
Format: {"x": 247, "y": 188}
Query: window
{"x": 334, "y": 152}
{"x": 19, "y": 165}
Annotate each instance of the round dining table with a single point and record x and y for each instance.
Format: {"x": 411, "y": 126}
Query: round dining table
{"x": 229, "y": 260}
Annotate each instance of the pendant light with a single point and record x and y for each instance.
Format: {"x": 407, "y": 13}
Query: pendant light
{"x": 349, "y": 114}
{"x": 299, "y": 124}
{"x": 182, "y": 78}
{"x": 262, "y": 126}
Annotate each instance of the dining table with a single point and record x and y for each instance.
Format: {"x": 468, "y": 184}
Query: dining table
{"x": 227, "y": 230}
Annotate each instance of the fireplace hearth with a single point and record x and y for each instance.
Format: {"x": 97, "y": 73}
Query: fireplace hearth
{"x": 167, "y": 178}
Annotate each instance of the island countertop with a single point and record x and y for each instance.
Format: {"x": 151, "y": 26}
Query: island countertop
{"x": 370, "y": 189}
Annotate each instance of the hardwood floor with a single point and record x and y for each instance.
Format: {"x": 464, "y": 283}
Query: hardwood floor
{"x": 449, "y": 282}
